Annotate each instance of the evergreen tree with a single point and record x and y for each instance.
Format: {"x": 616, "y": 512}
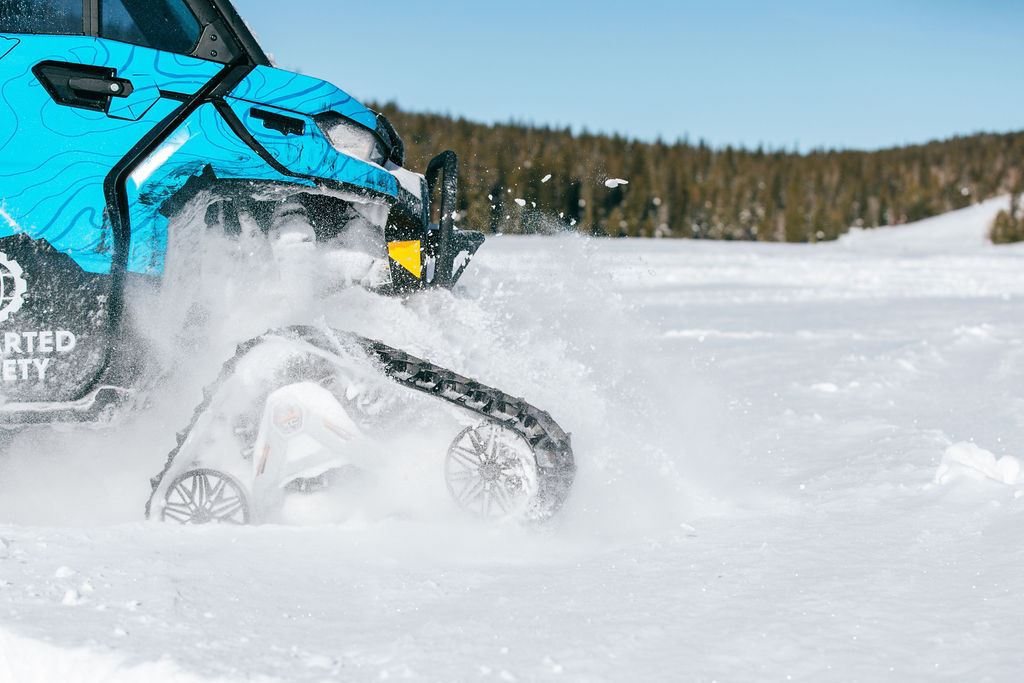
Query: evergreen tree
{"x": 693, "y": 190}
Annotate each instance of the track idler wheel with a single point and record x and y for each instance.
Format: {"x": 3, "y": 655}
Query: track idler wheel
{"x": 202, "y": 496}
{"x": 491, "y": 472}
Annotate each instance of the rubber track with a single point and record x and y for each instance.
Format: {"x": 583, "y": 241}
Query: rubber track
{"x": 551, "y": 445}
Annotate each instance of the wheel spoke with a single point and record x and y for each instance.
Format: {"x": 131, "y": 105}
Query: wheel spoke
{"x": 502, "y": 497}
{"x": 465, "y": 493}
{"x": 463, "y": 475}
{"x": 460, "y": 493}
{"x": 479, "y": 445}
{"x": 187, "y": 495}
{"x": 492, "y": 441}
{"x": 466, "y": 458}
{"x": 216, "y": 492}
{"x": 179, "y": 512}
{"x": 202, "y": 496}
{"x": 472, "y": 493}
{"x": 226, "y": 509}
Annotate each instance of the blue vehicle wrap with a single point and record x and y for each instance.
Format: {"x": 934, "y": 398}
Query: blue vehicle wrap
{"x": 206, "y": 142}
{"x": 54, "y": 159}
{"x": 54, "y": 162}
{"x": 311, "y": 154}
{"x": 203, "y": 140}
{"x": 301, "y": 94}
{"x": 7, "y": 44}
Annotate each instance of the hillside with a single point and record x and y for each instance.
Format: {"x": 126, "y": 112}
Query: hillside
{"x": 692, "y": 190}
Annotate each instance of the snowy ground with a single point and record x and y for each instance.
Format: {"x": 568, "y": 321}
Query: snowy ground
{"x": 794, "y": 462}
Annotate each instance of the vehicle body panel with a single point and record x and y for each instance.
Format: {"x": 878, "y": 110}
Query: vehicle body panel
{"x": 54, "y": 159}
{"x": 301, "y": 94}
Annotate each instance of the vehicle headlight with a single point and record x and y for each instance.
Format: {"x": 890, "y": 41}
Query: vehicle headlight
{"x": 348, "y": 137}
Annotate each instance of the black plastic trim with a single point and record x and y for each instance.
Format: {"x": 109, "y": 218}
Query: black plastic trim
{"x": 395, "y": 146}
{"x": 237, "y": 26}
{"x": 176, "y": 96}
{"x": 286, "y": 125}
{"x": 91, "y": 17}
{"x": 217, "y": 44}
{"x": 447, "y": 162}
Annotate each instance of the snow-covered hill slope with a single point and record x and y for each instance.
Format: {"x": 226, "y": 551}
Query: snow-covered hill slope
{"x": 794, "y": 462}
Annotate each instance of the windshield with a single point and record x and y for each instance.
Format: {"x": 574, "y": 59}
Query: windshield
{"x": 160, "y": 24}
{"x": 41, "y": 16}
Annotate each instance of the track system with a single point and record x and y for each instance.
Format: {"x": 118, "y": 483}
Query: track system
{"x": 516, "y": 462}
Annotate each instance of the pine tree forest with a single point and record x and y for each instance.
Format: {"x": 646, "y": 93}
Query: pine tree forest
{"x": 527, "y": 179}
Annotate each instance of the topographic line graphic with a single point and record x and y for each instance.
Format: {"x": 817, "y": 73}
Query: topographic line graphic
{"x": 312, "y": 92}
{"x": 104, "y": 159}
{"x": 85, "y": 216}
{"x": 79, "y": 175}
{"x": 7, "y": 44}
{"x": 69, "y": 225}
{"x": 253, "y": 84}
{"x": 127, "y": 60}
{"x": 12, "y": 81}
{"x": 71, "y": 191}
{"x": 14, "y": 114}
{"x": 91, "y": 127}
{"x": 96, "y": 52}
{"x": 179, "y": 60}
{"x": 195, "y": 73}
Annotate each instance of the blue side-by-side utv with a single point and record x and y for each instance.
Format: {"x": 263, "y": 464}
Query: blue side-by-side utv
{"x": 116, "y": 116}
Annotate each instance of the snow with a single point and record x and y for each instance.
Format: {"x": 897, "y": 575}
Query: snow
{"x": 409, "y": 180}
{"x": 795, "y": 462}
{"x": 968, "y": 459}
{"x": 7, "y": 218}
{"x": 612, "y": 183}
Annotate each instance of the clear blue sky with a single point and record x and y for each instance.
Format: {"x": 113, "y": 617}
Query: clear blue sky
{"x": 798, "y": 74}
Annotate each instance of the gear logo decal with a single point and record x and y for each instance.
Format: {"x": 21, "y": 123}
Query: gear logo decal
{"x": 12, "y": 287}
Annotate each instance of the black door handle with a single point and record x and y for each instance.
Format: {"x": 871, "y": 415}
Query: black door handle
{"x": 82, "y": 85}
{"x": 115, "y": 87}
